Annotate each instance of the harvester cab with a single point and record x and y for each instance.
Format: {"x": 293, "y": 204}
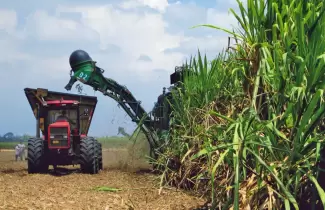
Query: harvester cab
{"x": 64, "y": 120}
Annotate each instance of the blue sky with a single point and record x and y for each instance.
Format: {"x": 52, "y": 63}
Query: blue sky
{"x": 137, "y": 42}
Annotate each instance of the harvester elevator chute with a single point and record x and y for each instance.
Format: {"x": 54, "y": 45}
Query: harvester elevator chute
{"x": 84, "y": 69}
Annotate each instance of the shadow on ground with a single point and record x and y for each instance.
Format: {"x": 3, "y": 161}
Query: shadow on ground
{"x": 12, "y": 171}
{"x": 60, "y": 171}
{"x": 23, "y": 171}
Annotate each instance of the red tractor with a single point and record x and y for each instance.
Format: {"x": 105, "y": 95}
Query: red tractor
{"x": 64, "y": 120}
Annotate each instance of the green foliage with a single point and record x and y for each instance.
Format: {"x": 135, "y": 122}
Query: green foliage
{"x": 106, "y": 189}
{"x": 10, "y": 137}
{"x": 8, "y": 145}
{"x": 114, "y": 142}
{"x": 9, "y": 140}
{"x": 247, "y": 126}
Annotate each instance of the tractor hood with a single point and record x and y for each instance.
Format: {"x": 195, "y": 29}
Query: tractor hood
{"x": 40, "y": 95}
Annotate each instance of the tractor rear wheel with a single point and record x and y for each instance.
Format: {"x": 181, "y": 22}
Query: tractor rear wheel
{"x": 88, "y": 155}
{"x": 100, "y": 156}
{"x": 37, "y": 162}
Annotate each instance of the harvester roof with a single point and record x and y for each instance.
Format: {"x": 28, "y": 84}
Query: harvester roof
{"x": 44, "y": 97}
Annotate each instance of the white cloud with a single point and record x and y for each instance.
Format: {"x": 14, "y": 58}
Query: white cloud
{"x": 131, "y": 31}
{"x": 226, "y": 5}
{"x": 190, "y": 13}
{"x": 56, "y": 67}
{"x": 11, "y": 53}
{"x": 156, "y": 4}
{"x": 134, "y": 34}
{"x": 47, "y": 27}
{"x": 207, "y": 44}
{"x": 8, "y": 20}
{"x": 159, "y": 5}
{"x": 230, "y": 2}
{"x": 221, "y": 19}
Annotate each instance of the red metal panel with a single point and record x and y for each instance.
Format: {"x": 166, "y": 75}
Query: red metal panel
{"x": 60, "y": 124}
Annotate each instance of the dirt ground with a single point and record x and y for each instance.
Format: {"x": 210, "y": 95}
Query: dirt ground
{"x": 69, "y": 189}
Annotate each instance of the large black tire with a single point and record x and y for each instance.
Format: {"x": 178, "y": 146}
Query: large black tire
{"x": 36, "y": 157}
{"x": 100, "y": 156}
{"x": 89, "y": 156}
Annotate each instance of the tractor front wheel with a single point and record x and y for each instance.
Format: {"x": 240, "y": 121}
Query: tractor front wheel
{"x": 89, "y": 155}
{"x": 37, "y": 162}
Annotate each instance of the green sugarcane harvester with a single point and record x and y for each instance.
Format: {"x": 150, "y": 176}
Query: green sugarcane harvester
{"x": 84, "y": 69}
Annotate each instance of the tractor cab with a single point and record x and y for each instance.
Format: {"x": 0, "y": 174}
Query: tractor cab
{"x": 63, "y": 120}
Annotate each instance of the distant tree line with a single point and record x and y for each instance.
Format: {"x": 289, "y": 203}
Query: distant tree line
{"x": 10, "y": 137}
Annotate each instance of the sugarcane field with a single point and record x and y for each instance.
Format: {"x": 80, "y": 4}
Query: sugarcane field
{"x": 165, "y": 104}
